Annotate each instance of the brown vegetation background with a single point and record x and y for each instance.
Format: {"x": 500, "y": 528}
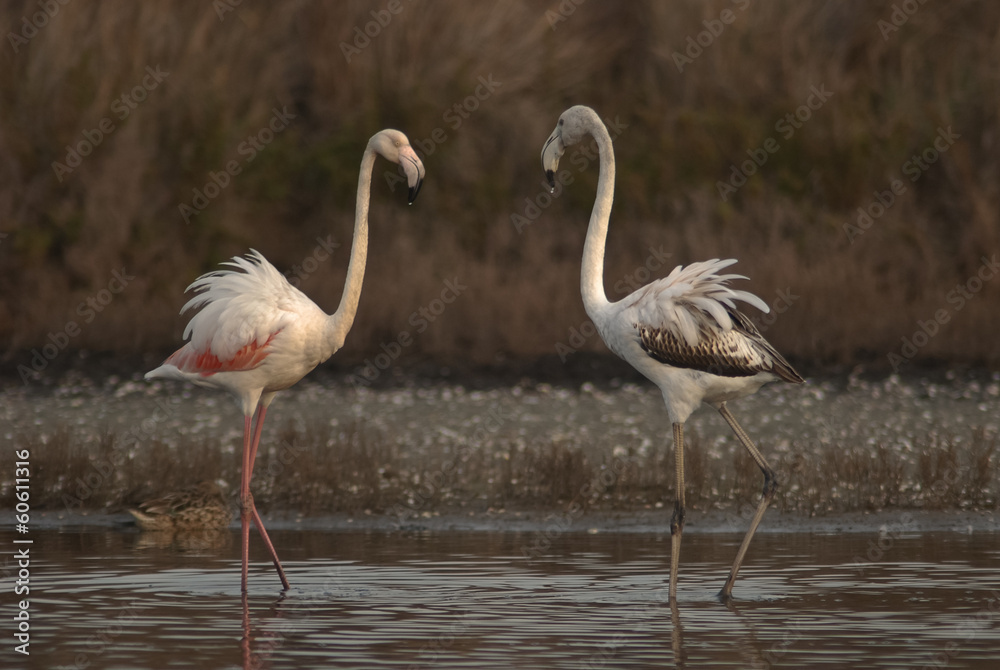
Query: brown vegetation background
{"x": 61, "y": 241}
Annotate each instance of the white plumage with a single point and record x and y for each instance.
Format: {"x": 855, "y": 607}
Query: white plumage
{"x": 256, "y": 334}
{"x": 684, "y": 332}
{"x": 689, "y": 299}
{"x": 243, "y": 307}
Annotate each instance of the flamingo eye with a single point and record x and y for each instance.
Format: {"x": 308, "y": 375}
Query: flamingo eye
{"x": 560, "y": 122}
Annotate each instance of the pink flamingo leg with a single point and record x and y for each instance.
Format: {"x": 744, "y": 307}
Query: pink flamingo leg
{"x": 270, "y": 548}
{"x": 249, "y": 508}
{"x": 246, "y": 644}
{"x": 245, "y": 504}
{"x": 261, "y": 413}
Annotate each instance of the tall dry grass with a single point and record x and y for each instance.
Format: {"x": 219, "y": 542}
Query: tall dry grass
{"x": 119, "y": 208}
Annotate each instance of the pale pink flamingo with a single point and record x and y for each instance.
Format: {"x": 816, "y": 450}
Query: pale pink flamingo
{"x": 256, "y": 334}
{"x": 683, "y": 332}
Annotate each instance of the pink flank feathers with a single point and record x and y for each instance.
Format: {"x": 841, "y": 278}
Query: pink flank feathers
{"x": 188, "y": 359}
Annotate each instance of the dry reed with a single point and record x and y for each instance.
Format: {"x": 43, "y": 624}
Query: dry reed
{"x": 854, "y": 301}
{"x": 316, "y": 471}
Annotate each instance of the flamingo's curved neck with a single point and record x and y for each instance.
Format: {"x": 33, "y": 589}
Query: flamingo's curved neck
{"x": 342, "y": 320}
{"x": 592, "y": 269}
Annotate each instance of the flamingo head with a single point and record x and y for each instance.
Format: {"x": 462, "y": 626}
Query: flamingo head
{"x": 573, "y": 124}
{"x": 394, "y": 146}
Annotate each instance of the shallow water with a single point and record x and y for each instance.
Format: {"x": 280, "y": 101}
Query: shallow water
{"x": 113, "y": 598}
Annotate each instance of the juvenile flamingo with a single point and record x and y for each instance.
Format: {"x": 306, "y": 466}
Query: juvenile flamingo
{"x": 256, "y": 334}
{"x": 683, "y": 332}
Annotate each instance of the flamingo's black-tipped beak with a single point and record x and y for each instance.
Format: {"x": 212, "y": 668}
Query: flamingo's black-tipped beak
{"x": 414, "y": 170}
{"x": 551, "y": 153}
{"x": 414, "y": 190}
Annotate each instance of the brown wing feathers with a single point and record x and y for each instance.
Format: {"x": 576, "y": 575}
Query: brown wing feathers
{"x": 738, "y": 352}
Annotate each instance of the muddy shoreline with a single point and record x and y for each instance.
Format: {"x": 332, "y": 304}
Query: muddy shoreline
{"x": 895, "y": 522}
{"x": 415, "y": 447}
{"x": 600, "y": 369}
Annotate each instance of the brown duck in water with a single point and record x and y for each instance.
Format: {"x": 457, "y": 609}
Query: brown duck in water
{"x": 199, "y": 507}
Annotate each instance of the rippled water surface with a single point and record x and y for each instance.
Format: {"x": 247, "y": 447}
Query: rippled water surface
{"x": 110, "y": 597}
{"x": 115, "y": 598}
